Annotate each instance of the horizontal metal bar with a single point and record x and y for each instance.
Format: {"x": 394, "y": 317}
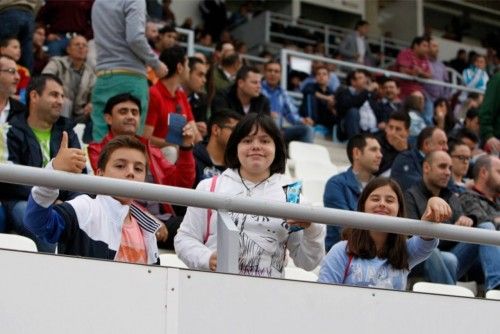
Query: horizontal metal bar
{"x": 17, "y": 174}
{"x": 287, "y": 52}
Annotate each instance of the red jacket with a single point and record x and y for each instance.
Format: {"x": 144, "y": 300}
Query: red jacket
{"x": 182, "y": 174}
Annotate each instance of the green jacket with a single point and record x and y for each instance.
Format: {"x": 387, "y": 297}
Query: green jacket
{"x": 489, "y": 114}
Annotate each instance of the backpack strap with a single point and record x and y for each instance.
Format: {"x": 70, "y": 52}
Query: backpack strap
{"x": 209, "y": 211}
{"x": 346, "y": 271}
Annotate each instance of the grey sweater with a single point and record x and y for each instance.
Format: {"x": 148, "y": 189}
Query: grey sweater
{"x": 119, "y": 30}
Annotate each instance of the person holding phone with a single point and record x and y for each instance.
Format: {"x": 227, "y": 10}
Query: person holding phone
{"x": 255, "y": 157}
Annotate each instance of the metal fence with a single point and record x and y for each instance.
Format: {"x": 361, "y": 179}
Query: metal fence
{"x": 228, "y": 247}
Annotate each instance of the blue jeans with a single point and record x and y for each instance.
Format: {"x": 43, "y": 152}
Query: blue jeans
{"x": 3, "y": 219}
{"x": 441, "y": 267}
{"x": 300, "y": 132}
{"x": 17, "y": 211}
{"x": 488, "y": 257}
{"x": 21, "y": 24}
{"x": 350, "y": 123}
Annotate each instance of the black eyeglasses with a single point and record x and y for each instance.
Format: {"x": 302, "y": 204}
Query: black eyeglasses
{"x": 462, "y": 158}
{"x": 9, "y": 70}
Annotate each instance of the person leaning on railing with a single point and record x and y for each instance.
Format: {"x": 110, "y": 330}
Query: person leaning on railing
{"x": 379, "y": 259}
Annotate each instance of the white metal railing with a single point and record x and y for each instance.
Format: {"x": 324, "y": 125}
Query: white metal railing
{"x": 190, "y": 40}
{"x": 286, "y": 53}
{"x": 152, "y": 192}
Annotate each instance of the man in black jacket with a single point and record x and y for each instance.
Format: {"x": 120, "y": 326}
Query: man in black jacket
{"x": 33, "y": 140}
{"x": 453, "y": 258}
{"x": 244, "y": 96}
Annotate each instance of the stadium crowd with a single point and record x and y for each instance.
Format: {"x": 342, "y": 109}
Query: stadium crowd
{"x": 215, "y": 122}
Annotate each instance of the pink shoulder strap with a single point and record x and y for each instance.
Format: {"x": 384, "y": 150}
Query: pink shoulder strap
{"x": 209, "y": 211}
{"x": 346, "y": 271}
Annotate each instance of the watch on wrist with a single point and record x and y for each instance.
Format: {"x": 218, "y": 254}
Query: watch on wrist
{"x": 186, "y": 147}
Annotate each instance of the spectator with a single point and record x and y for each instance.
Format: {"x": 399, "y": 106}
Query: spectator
{"x": 473, "y": 101}
{"x": 9, "y": 107}
{"x": 104, "y": 227}
{"x": 152, "y": 33}
{"x": 350, "y": 99}
{"x": 283, "y": 110}
{"x": 122, "y": 115}
{"x": 168, "y": 14}
{"x": 63, "y": 19}
{"x": 255, "y": 157}
{"x": 407, "y": 167}
{"x": 333, "y": 81}
{"x": 78, "y": 80}
{"x": 393, "y": 140}
{"x": 167, "y": 96}
{"x": 475, "y": 76}
{"x": 413, "y": 61}
{"x": 225, "y": 73}
{"x": 459, "y": 63}
{"x": 167, "y": 37}
{"x": 209, "y": 154}
{"x": 33, "y": 140}
{"x": 379, "y": 259}
{"x": 11, "y": 47}
{"x": 471, "y": 121}
{"x": 222, "y": 50}
{"x": 443, "y": 116}
{"x": 40, "y": 57}
{"x": 244, "y": 96}
{"x": 389, "y": 103}
{"x": 439, "y": 73}
{"x": 194, "y": 88}
{"x": 489, "y": 116}
{"x": 481, "y": 201}
{"x": 460, "y": 155}
{"x": 18, "y": 20}
{"x": 355, "y": 47}
{"x": 414, "y": 106}
{"x": 318, "y": 103}
{"x": 122, "y": 55}
{"x": 342, "y": 190}
{"x": 442, "y": 265}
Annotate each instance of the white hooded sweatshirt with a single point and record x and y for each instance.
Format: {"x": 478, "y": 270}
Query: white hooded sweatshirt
{"x": 263, "y": 240}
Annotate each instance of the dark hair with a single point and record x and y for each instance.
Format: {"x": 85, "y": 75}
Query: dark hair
{"x": 424, "y": 135}
{"x": 253, "y": 122}
{"x": 118, "y": 142}
{"x": 221, "y": 117}
{"x": 243, "y": 72}
{"x": 360, "y": 243}
{"x": 383, "y": 80}
{"x": 401, "y": 116}
{"x": 193, "y": 61}
{"x": 38, "y": 84}
{"x": 412, "y": 102}
{"x": 466, "y": 133}
{"x": 472, "y": 113}
{"x": 483, "y": 161}
{"x": 166, "y": 29}
{"x": 453, "y": 144}
{"x": 171, "y": 57}
{"x": 352, "y": 75}
{"x": 113, "y": 101}
{"x": 272, "y": 61}
{"x": 419, "y": 40}
{"x": 449, "y": 118}
{"x": 230, "y": 60}
{"x": 361, "y": 23}
{"x": 357, "y": 141}
{"x": 4, "y": 42}
{"x": 319, "y": 67}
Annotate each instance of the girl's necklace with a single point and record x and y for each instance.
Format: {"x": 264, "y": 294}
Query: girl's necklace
{"x": 249, "y": 191}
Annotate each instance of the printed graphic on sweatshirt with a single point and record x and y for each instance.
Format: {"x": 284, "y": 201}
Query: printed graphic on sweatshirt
{"x": 262, "y": 244}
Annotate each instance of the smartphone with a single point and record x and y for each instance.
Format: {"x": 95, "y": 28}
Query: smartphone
{"x": 176, "y": 123}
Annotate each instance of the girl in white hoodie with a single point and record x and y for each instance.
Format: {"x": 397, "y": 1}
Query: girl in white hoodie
{"x": 255, "y": 157}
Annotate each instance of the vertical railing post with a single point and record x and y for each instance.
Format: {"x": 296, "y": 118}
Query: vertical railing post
{"x": 228, "y": 244}
{"x": 284, "y": 69}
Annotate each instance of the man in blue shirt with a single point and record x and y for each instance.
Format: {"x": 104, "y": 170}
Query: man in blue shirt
{"x": 342, "y": 190}
{"x": 282, "y": 108}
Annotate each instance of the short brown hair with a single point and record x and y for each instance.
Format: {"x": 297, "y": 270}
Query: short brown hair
{"x": 123, "y": 141}
{"x": 360, "y": 243}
